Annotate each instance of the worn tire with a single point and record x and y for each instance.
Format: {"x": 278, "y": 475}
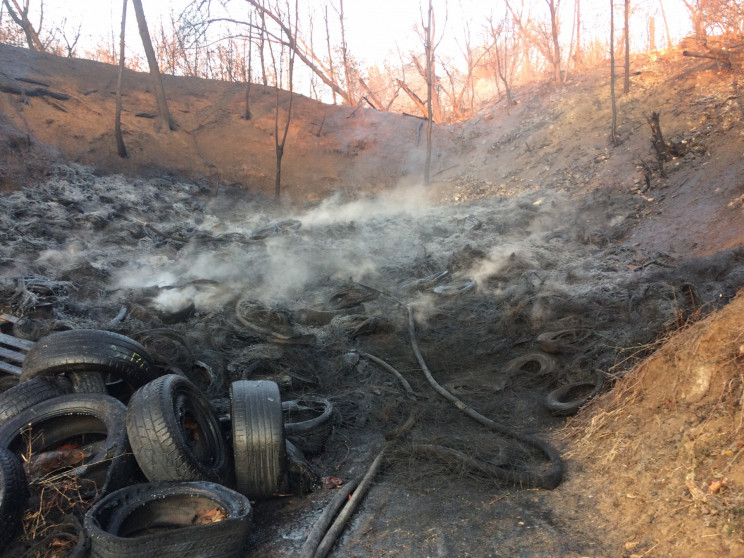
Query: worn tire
{"x": 27, "y": 394}
{"x": 545, "y": 363}
{"x": 307, "y": 423}
{"x": 258, "y": 438}
{"x": 7, "y": 382}
{"x": 569, "y": 398}
{"x": 155, "y": 519}
{"x": 13, "y": 496}
{"x": 174, "y": 433}
{"x": 87, "y": 382}
{"x": 51, "y": 423}
{"x": 89, "y": 350}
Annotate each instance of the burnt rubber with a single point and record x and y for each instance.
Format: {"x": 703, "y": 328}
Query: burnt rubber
{"x": 82, "y": 418}
{"x": 13, "y": 495}
{"x": 89, "y": 350}
{"x": 307, "y": 423}
{"x": 174, "y": 433}
{"x": 27, "y": 394}
{"x": 158, "y": 519}
{"x": 258, "y": 438}
{"x": 569, "y": 398}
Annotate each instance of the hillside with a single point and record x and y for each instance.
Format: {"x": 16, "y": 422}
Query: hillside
{"x": 559, "y": 230}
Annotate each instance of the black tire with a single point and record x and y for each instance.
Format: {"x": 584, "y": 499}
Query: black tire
{"x": 7, "y": 382}
{"x": 87, "y": 382}
{"x": 258, "y": 438}
{"x": 90, "y": 350}
{"x": 156, "y": 519}
{"x": 569, "y": 398}
{"x": 90, "y": 417}
{"x": 523, "y": 367}
{"x": 174, "y": 433}
{"x": 307, "y": 423}
{"x": 13, "y": 496}
{"x": 27, "y": 394}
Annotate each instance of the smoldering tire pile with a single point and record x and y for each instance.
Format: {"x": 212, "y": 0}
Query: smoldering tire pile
{"x": 153, "y": 469}
{"x": 524, "y": 307}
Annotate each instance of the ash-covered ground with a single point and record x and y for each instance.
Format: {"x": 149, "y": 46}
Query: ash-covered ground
{"x": 222, "y": 285}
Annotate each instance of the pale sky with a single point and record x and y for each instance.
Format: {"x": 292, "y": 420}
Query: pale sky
{"x": 374, "y": 29}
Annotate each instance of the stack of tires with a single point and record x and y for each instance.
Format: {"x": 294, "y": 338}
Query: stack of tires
{"x": 94, "y": 415}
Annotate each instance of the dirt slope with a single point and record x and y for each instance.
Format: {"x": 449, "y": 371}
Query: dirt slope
{"x": 643, "y": 460}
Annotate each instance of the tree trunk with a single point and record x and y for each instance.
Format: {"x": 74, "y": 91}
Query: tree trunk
{"x": 429, "y": 49}
{"x": 626, "y": 83}
{"x": 556, "y": 44}
{"x": 120, "y": 147}
{"x": 345, "y": 53}
{"x": 292, "y": 43}
{"x": 332, "y": 72}
{"x": 651, "y": 34}
{"x": 579, "y": 54}
{"x": 666, "y": 25}
{"x": 373, "y": 100}
{"x": 249, "y": 69}
{"x": 663, "y": 153}
{"x": 157, "y": 80}
{"x": 613, "y": 132}
{"x": 20, "y": 17}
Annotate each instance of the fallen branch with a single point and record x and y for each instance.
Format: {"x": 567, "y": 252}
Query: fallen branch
{"x": 11, "y": 85}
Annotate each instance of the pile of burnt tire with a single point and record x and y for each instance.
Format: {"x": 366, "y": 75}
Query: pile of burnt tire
{"x": 105, "y": 454}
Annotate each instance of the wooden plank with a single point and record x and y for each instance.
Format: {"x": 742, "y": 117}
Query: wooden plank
{"x": 23, "y": 344}
{"x": 12, "y": 356}
{"x": 8, "y": 318}
{"x": 9, "y": 368}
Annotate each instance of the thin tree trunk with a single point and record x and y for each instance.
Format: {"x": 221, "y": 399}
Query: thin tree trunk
{"x": 344, "y": 51}
{"x": 374, "y": 101}
{"x": 157, "y": 80}
{"x": 280, "y": 144}
{"x": 556, "y": 44}
{"x": 120, "y": 147}
{"x": 249, "y": 78}
{"x": 666, "y": 25}
{"x": 429, "y": 48}
{"x": 578, "y": 55}
{"x": 331, "y": 71}
{"x": 20, "y": 16}
{"x": 626, "y": 83}
{"x": 612, "y": 73}
{"x": 570, "y": 48}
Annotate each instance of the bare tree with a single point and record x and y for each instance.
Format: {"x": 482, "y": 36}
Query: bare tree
{"x": 166, "y": 122}
{"x": 345, "y": 54}
{"x": 428, "y": 36}
{"x": 613, "y": 132}
{"x": 277, "y": 62}
{"x": 626, "y": 83}
{"x": 331, "y": 69}
{"x": 545, "y": 38}
{"x": 306, "y": 55}
{"x": 120, "y": 147}
{"x": 248, "y": 76}
{"x": 579, "y": 52}
{"x": 19, "y": 14}
{"x": 504, "y": 54}
{"x": 71, "y": 41}
{"x": 666, "y": 24}
{"x": 697, "y": 15}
